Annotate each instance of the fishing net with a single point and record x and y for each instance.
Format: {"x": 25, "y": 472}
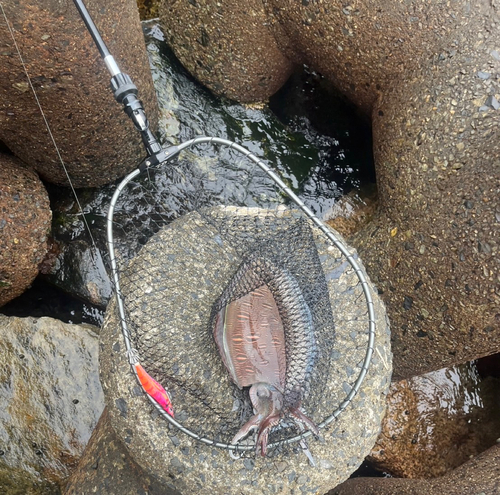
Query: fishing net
{"x": 198, "y": 233}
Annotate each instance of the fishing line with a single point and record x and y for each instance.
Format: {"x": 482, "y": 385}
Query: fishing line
{"x": 49, "y": 131}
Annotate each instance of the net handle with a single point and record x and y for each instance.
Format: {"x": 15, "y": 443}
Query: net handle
{"x": 326, "y": 231}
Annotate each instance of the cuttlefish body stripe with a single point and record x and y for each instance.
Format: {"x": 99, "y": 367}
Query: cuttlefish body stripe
{"x": 252, "y": 331}
{"x": 253, "y": 339}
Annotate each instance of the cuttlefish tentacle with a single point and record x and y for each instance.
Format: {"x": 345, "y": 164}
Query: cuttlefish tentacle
{"x": 299, "y": 417}
{"x": 263, "y": 435}
{"x": 268, "y": 403}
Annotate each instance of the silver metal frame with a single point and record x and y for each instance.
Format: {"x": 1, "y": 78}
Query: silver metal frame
{"x": 332, "y": 238}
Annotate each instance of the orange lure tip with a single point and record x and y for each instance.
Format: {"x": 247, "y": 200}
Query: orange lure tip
{"x": 154, "y": 389}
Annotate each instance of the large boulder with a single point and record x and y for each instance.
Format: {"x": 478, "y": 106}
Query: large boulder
{"x": 436, "y": 422}
{"x": 107, "y": 468}
{"x": 433, "y": 249}
{"x": 24, "y": 225}
{"x": 169, "y": 289}
{"x": 96, "y": 140}
{"x": 227, "y": 45}
{"x": 479, "y": 476}
{"x": 427, "y": 73}
{"x": 51, "y": 400}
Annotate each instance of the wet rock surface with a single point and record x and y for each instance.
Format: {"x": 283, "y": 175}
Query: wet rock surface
{"x": 353, "y": 211}
{"x": 91, "y": 130}
{"x": 478, "y": 476}
{"x": 428, "y": 75}
{"x": 24, "y": 225}
{"x": 51, "y": 400}
{"x": 189, "y": 466}
{"x": 106, "y": 468}
{"x": 437, "y": 421}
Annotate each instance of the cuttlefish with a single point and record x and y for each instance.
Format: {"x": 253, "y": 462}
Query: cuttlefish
{"x": 265, "y": 337}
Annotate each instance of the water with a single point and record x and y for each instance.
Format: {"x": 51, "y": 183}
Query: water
{"x": 438, "y": 420}
{"x": 309, "y": 134}
{"x": 44, "y": 299}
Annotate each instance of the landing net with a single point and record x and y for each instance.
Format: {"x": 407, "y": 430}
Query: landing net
{"x": 180, "y": 237}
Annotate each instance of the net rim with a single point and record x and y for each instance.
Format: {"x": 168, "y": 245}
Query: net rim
{"x": 334, "y": 240}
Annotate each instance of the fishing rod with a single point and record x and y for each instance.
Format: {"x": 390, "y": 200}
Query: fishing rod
{"x": 125, "y": 93}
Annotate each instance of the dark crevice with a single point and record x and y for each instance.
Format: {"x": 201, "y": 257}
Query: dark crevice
{"x": 309, "y": 104}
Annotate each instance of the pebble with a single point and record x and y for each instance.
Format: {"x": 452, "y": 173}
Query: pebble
{"x": 492, "y": 102}
{"x": 121, "y": 405}
{"x": 346, "y": 387}
{"x": 483, "y": 75}
{"x": 408, "y": 302}
{"x": 484, "y": 247}
{"x": 302, "y": 479}
{"x": 177, "y": 464}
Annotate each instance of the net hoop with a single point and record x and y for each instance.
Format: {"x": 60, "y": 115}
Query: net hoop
{"x": 332, "y": 238}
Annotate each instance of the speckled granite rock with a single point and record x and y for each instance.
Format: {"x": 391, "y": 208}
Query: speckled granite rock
{"x": 50, "y": 399}
{"x": 97, "y": 141}
{"x": 199, "y": 265}
{"x": 436, "y": 422}
{"x": 479, "y": 476}
{"x": 428, "y": 75}
{"x": 227, "y": 45}
{"x": 24, "y": 225}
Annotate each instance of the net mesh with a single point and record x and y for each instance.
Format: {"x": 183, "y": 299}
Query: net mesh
{"x": 237, "y": 233}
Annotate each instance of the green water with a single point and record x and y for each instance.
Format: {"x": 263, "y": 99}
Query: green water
{"x": 309, "y": 134}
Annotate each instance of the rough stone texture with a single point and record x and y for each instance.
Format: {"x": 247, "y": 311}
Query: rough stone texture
{"x": 428, "y": 74}
{"x": 24, "y": 225}
{"x": 439, "y": 183}
{"x": 479, "y": 476}
{"x": 353, "y": 211}
{"x": 97, "y": 141}
{"x": 106, "y": 468}
{"x": 50, "y": 399}
{"x": 179, "y": 257}
{"x": 436, "y": 422}
{"x": 227, "y": 45}
{"x": 366, "y": 47}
